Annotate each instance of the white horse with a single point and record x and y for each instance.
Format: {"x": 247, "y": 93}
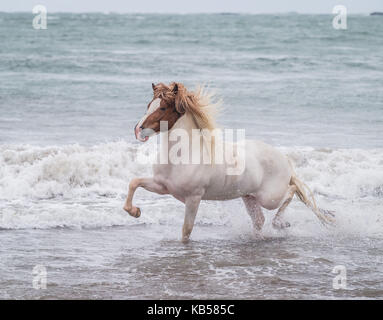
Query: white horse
{"x": 266, "y": 181}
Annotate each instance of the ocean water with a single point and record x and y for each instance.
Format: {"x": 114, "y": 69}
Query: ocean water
{"x": 70, "y": 97}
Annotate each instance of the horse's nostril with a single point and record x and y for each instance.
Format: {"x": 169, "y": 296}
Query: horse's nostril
{"x": 141, "y": 127}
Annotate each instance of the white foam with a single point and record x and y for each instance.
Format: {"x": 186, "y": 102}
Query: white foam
{"x": 79, "y": 186}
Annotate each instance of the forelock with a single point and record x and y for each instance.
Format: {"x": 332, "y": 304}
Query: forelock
{"x": 163, "y": 91}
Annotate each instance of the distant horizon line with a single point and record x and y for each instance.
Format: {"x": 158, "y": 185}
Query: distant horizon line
{"x": 186, "y": 13}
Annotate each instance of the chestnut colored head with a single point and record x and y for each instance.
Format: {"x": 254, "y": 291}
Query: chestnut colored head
{"x": 164, "y": 106}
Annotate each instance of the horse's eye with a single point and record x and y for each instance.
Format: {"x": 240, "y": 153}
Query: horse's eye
{"x": 163, "y": 109}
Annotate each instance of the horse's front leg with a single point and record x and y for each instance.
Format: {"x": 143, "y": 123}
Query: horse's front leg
{"x": 191, "y": 209}
{"x": 146, "y": 183}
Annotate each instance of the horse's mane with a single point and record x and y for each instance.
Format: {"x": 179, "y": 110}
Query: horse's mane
{"x": 197, "y": 103}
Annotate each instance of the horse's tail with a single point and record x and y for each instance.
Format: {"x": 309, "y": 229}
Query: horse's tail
{"x": 324, "y": 216}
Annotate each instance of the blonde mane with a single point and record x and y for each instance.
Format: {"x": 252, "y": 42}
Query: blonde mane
{"x": 197, "y": 103}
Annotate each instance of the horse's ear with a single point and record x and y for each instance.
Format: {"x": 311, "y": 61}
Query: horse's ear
{"x": 175, "y": 88}
{"x": 153, "y": 86}
{"x": 180, "y": 102}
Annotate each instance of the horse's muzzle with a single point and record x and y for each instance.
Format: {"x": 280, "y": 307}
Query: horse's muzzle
{"x": 138, "y": 134}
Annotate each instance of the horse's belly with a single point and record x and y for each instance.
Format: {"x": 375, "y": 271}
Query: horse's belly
{"x": 232, "y": 187}
{"x": 221, "y": 195}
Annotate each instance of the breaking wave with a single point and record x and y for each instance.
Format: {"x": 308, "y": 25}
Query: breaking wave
{"x": 85, "y": 186}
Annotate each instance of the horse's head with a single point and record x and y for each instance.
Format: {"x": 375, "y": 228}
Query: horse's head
{"x": 163, "y": 107}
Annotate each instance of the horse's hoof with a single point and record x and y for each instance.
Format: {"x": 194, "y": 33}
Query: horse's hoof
{"x": 278, "y": 224}
{"x": 257, "y": 235}
{"x": 133, "y": 211}
{"x": 327, "y": 212}
{"x": 136, "y": 212}
{"x": 185, "y": 240}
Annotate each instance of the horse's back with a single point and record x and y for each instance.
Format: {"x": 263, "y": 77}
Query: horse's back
{"x": 266, "y": 171}
{"x": 272, "y": 161}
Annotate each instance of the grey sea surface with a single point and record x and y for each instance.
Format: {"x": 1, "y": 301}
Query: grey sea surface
{"x": 70, "y": 97}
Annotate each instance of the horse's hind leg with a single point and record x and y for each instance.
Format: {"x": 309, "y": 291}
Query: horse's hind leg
{"x": 278, "y": 221}
{"x": 255, "y": 211}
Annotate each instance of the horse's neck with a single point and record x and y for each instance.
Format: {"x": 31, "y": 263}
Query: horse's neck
{"x": 169, "y": 139}
{"x": 185, "y": 123}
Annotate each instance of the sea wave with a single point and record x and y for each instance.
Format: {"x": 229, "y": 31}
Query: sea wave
{"x": 48, "y": 172}
{"x": 344, "y": 173}
{"x": 85, "y": 186}
{"x": 72, "y": 170}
